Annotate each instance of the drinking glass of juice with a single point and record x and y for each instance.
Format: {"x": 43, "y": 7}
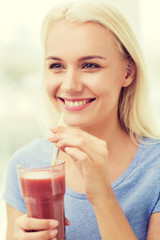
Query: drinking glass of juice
{"x": 43, "y": 191}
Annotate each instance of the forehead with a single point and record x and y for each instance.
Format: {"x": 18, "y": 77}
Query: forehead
{"x": 87, "y": 36}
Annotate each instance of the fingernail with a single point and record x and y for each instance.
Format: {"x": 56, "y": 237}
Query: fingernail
{"x": 67, "y": 222}
{"x": 53, "y": 223}
{"x": 59, "y": 143}
{"x": 67, "y": 149}
{"x": 53, "y": 129}
{"x": 50, "y": 137}
{"x": 53, "y": 232}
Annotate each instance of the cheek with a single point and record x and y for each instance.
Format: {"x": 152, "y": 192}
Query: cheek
{"x": 109, "y": 93}
{"x": 51, "y": 86}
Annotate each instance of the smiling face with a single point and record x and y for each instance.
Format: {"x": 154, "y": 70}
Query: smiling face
{"x": 85, "y": 73}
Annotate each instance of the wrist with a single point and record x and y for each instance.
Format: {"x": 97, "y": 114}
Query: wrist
{"x": 104, "y": 198}
{"x": 111, "y": 219}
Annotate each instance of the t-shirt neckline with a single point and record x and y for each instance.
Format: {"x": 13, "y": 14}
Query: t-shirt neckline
{"x": 130, "y": 168}
{"x": 117, "y": 182}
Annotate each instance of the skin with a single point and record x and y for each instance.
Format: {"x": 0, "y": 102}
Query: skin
{"x": 74, "y": 79}
{"x": 83, "y": 63}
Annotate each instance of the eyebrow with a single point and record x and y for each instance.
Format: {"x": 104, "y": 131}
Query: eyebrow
{"x": 80, "y": 59}
{"x": 53, "y": 58}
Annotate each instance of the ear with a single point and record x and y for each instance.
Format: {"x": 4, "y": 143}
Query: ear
{"x": 130, "y": 72}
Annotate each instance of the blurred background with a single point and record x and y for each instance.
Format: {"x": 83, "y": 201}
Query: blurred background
{"x": 20, "y": 70}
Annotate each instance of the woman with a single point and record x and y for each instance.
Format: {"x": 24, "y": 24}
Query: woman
{"x": 94, "y": 74}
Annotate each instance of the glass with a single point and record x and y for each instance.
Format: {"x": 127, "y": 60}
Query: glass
{"x": 43, "y": 191}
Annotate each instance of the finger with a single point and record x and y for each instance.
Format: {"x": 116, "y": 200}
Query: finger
{"x": 82, "y": 140}
{"x": 94, "y": 150}
{"x": 77, "y": 155}
{"x": 93, "y": 170}
{"x": 40, "y": 235}
{"x": 80, "y": 137}
{"x": 36, "y": 224}
{"x": 79, "y": 158}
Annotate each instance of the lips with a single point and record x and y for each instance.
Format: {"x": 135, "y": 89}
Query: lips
{"x": 76, "y": 102}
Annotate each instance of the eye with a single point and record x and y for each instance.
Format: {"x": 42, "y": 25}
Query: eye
{"x": 56, "y": 66}
{"x": 90, "y": 66}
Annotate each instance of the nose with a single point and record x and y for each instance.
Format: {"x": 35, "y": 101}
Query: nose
{"x": 71, "y": 81}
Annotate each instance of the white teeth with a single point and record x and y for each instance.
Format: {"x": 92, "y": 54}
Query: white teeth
{"x": 75, "y": 103}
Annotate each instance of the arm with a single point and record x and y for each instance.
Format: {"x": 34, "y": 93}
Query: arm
{"x": 12, "y": 214}
{"x": 111, "y": 220}
{"x": 154, "y": 227}
{"x": 90, "y": 156}
{"x": 19, "y": 226}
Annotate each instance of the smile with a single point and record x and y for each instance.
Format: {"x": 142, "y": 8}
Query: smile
{"x": 73, "y": 103}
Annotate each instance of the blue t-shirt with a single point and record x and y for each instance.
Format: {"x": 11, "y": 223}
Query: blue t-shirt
{"x": 137, "y": 190}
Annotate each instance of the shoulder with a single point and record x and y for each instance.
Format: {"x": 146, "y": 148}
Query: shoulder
{"x": 149, "y": 151}
{"x": 148, "y": 161}
{"x": 35, "y": 151}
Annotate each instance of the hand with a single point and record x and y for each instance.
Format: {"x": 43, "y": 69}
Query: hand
{"x": 90, "y": 156}
{"x": 35, "y": 229}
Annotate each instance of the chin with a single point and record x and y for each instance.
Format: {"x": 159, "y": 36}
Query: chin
{"x": 71, "y": 122}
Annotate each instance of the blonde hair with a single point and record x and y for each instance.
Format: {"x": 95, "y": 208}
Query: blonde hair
{"x": 134, "y": 110}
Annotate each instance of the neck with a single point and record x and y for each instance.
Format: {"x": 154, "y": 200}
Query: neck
{"x": 108, "y": 130}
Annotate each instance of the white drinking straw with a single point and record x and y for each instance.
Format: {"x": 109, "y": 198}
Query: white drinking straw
{"x": 54, "y": 145}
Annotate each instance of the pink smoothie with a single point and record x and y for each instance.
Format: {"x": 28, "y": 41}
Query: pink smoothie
{"x": 43, "y": 192}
